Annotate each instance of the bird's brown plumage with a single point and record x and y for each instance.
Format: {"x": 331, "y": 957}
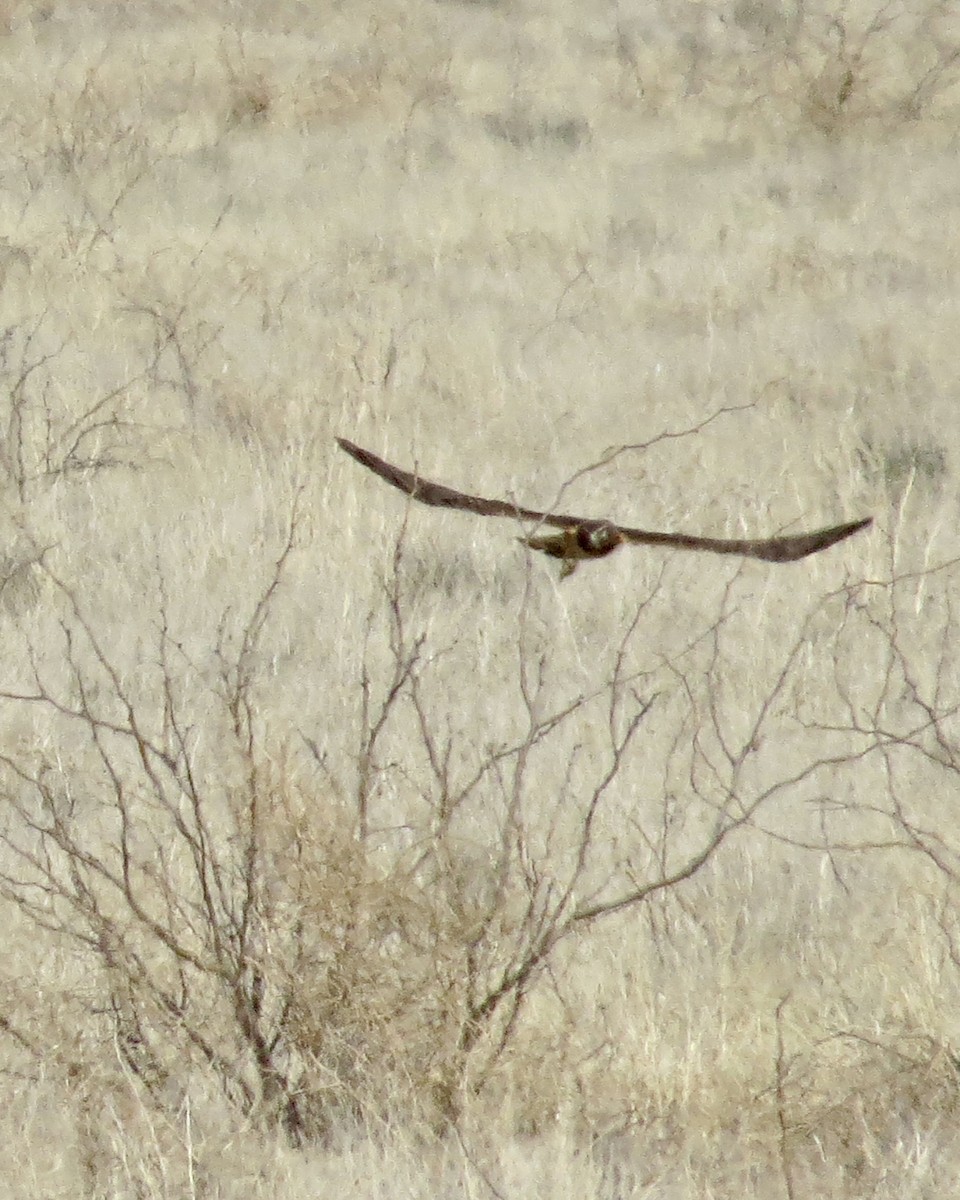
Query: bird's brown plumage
{"x": 592, "y": 537}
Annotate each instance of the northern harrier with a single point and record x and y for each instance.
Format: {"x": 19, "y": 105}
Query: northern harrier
{"x": 588, "y": 537}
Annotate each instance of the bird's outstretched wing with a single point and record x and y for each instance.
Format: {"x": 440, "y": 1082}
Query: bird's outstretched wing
{"x": 787, "y": 548}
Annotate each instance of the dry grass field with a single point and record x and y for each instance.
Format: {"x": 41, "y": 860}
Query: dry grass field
{"x": 343, "y": 849}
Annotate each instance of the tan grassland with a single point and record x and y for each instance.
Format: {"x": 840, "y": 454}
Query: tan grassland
{"x": 343, "y": 850}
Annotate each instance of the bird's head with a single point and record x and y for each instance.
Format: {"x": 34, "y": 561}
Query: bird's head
{"x": 599, "y": 540}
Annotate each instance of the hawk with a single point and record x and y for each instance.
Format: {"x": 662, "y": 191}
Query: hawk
{"x": 589, "y": 537}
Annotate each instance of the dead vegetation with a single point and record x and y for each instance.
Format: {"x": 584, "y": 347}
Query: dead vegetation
{"x": 319, "y": 941}
{"x": 423, "y": 868}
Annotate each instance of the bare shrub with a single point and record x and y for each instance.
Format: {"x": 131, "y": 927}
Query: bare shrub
{"x": 319, "y": 939}
{"x": 865, "y": 1084}
{"x": 101, "y": 156}
{"x": 890, "y": 61}
{"x": 48, "y": 436}
{"x": 72, "y": 370}
{"x": 305, "y": 955}
{"x": 160, "y": 856}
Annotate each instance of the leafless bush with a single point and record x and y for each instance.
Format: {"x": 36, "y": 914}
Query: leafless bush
{"x": 72, "y": 373}
{"x": 45, "y": 434}
{"x": 892, "y": 61}
{"x": 513, "y": 853}
{"x": 100, "y": 154}
{"x": 808, "y": 63}
{"x": 859, "y": 1085}
{"x": 160, "y": 858}
{"x": 318, "y": 938}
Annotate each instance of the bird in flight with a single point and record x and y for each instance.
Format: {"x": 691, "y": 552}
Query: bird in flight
{"x": 588, "y": 537}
